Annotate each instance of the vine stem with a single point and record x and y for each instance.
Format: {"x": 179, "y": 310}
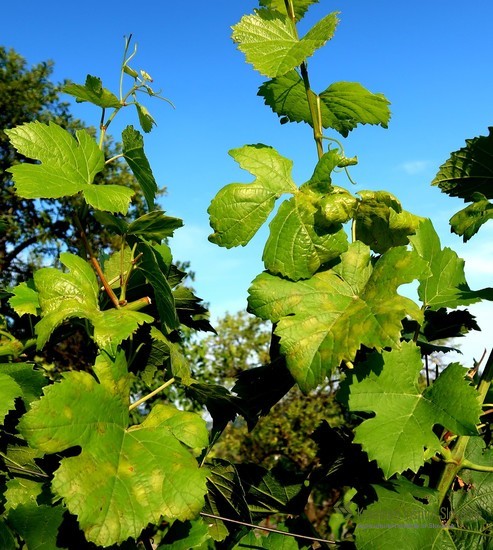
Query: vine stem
{"x": 455, "y": 459}
{"x": 152, "y": 394}
{"x": 95, "y": 264}
{"x": 313, "y": 99}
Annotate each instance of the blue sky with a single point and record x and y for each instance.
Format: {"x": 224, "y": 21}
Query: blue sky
{"x": 432, "y": 59}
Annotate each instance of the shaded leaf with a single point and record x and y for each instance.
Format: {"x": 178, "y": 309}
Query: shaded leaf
{"x": 402, "y": 428}
{"x": 154, "y": 226}
{"x": 186, "y": 536}
{"x": 37, "y": 525}
{"x": 30, "y": 381}
{"x": 133, "y": 152}
{"x": 469, "y": 220}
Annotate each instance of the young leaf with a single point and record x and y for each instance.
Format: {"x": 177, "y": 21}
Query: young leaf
{"x": 469, "y": 220}
{"x": 150, "y": 465}
{"x": 93, "y": 92}
{"x": 445, "y": 285}
{"x": 270, "y": 41}
{"x": 405, "y": 415}
{"x": 145, "y": 118}
{"x": 239, "y": 209}
{"x": 25, "y": 299}
{"x": 326, "y": 319}
{"x": 133, "y": 152}
{"x": 75, "y": 294}
{"x": 67, "y": 167}
{"x": 295, "y": 248}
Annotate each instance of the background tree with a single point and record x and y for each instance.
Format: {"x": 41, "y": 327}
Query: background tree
{"x": 30, "y": 231}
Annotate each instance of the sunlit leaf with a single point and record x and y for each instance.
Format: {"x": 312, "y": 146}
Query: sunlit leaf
{"x": 93, "y": 92}
{"x": 150, "y": 465}
{"x": 397, "y": 437}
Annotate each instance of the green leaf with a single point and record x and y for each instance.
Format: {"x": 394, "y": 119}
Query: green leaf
{"x": 468, "y": 170}
{"x": 326, "y": 319}
{"x": 75, "y": 294}
{"x": 155, "y": 270}
{"x": 336, "y": 207}
{"x": 145, "y": 118}
{"x": 381, "y": 223}
{"x": 25, "y": 299}
{"x": 7, "y": 539}
{"x": 399, "y": 520}
{"x": 300, "y": 6}
{"x": 9, "y": 392}
{"x": 93, "y": 92}
{"x": 68, "y": 166}
{"x": 37, "y": 525}
{"x": 30, "y": 381}
{"x": 270, "y": 41}
{"x": 238, "y": 210}
{"x": 186, "y": 536}
{"x": 295, "y": 248}
{"x": 401, "y": 431}
{"x": 468, "y": 221}
{"x": 272, "y": 541}
{"x": 180, "y": 367}
{"x": 150, "y": 466}
{"x": 133, "y": 152}
{"x": 349, "y": 104}
{"x": 445, "y": 285}
{"x": 343, "y": 105}
{"x": 471, "y": 516}
{"x": 154, "y": 226}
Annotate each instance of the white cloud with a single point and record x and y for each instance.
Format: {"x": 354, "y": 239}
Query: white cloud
{"x": 413, "y": 167}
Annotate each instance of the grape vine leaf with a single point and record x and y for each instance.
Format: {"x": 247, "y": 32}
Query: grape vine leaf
{"x": 75, "y": 294}
{"x": 154, "y": 226}
{"x": 125, "y": 476}
{"x": 238, "y": 210}
{"x": 445, "y": 285}
{"x": 343, "y": 105}
{"x": 300, "y": 6}
{"x": 9, "y": 392}
{"x": 272, "y": 541}
{"x": 145, "y": 118}
{"x": 154, "y": 268}
{"x": 133, "y": 152}
{"x": 270, "y": 40}
{"x": 403, "y": 517}
{"x": 30, "y": 381}
{"x": 296, "y": 248}
{"x": 37, "y": 525}
{"x": 189, "y": 535}
{"x": 68, "y": 166}
{"x": 25, "y": 299}
{"x": 468, "y": 174}
{"x": 326, "y": 319}
{"x": 470, "y": 516}
{"x": 93, "y": 92}
{"x": 381, "y": 223}
{"x": 405, "y": 414}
